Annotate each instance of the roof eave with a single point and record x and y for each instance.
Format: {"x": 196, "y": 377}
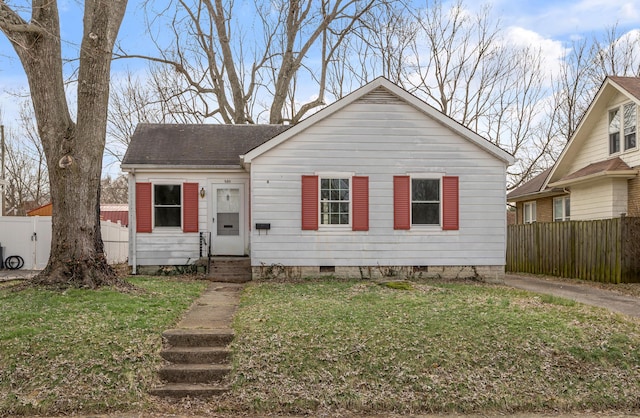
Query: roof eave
{"x": 180, "y": 167}
{"x": 537, "y": 195}
{"x": 620, "y": 174}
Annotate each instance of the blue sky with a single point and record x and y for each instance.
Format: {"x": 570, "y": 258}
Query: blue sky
{"x": 549, "y": 24}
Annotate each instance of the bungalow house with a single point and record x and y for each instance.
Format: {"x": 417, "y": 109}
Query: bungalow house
{"x": 596, "y": 176}
{"x": 377, "y": 182}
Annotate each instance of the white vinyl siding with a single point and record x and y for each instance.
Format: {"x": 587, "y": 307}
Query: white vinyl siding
{"x": 170, "y": 246}
{"x": 379, "y": 139}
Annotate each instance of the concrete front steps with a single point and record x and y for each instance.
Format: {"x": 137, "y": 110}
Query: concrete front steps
{"x": 229, "y": 269}
{"x": 199, "y": 363}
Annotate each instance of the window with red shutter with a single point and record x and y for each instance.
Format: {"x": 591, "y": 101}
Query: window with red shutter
{"x": 425, "y": 201}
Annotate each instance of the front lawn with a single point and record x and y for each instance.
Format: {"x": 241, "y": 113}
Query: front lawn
{"x": 323, "y": 347}
{"x": 85, "y": 351}
{"x": 441, "y": 347}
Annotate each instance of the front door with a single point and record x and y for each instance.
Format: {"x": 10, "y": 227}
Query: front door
{"x": 228, "y": 219}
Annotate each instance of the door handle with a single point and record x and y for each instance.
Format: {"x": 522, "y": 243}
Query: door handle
{"x": 213, "y": 219}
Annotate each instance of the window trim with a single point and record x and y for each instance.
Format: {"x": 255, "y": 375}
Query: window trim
{"x": 153, "y": 205}
{"x": 532, "y": 204}
{"x": 335, "y": 175}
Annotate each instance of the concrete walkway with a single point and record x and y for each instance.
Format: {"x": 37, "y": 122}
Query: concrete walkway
{"x": 582, "y": 293}
{"x": 214, "y": 309}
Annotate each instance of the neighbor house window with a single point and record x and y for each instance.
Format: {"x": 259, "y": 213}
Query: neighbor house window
{"x": 529, "y": 212}
{"x": 166, "y": 204}
{"x": 630, "y": 118}
{"x": 623, "y": 123}
{"x": 425, "y": 201}
{"x": 335, "y": 199}
{"x": 614, "y": 131}
{"x": 561, "y": 209}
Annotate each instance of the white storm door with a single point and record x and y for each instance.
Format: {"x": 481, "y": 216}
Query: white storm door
{"x": 228, "y": 229}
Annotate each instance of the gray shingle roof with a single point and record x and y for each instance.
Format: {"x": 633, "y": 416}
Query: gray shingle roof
{"x": 532, "y": 186}
{"x": 195, "y": 145}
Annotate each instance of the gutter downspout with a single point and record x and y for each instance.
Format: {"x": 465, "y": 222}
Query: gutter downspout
{"x": 132, "y": 222}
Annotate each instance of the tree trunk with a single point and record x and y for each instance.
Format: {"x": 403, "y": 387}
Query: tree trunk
{"x": 73, "y": 150}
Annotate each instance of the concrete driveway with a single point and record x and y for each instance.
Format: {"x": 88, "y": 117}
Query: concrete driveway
{"x": 8, "y": 275}
{"x": 583, "y": 293}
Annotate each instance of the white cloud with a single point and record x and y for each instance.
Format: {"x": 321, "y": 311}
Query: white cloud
{"x": 568, "y": 18}
{"x": 552, "y": 50}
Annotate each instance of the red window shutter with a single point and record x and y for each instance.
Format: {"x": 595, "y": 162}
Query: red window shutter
{"x": 143, "y": 207}
{"x": 310, "y": 203}
{"x": 450, "y": 203}
{"x": 360, "y": 204}
{"x": 190, "y": 207}
{"x": 401, "y": 202}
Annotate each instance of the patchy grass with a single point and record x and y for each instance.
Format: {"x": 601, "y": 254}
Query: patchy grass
{"x": 85, "y": 351}
{"x": 445, "y": 347}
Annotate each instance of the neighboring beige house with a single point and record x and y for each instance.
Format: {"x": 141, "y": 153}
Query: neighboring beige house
{"x": 596, "y": 176}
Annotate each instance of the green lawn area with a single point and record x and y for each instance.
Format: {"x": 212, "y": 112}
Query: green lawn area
{"x": 441, "y": 347}
{"x": 85, "y": 351}
{"x": 322, "y": 346}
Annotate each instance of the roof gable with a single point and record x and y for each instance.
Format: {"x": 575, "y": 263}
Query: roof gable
{"x": 378, "y": 88}
{"x": 201, "y": 145}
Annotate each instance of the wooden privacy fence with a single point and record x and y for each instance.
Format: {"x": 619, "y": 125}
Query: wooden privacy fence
{"x": 605, "y": 250}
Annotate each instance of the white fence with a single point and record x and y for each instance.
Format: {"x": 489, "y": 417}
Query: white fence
{"x": 30, "y": 238}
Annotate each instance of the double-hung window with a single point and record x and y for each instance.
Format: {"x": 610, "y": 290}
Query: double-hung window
{"x": 425, "y": 201}
{"x": 623, "y": 123}
{"x": 335, "y": 199}
{"x": 561, "y": 209}
{"x": 630, "y": 122}
{"x": 614, "y": 131}
{"x": 167, "y": 204}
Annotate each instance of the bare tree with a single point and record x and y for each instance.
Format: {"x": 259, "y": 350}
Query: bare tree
{"x": 229, "y": 64}
{"x": 73, "y": 149}
{"x": 114, "y": 190}
{"x": 25, "y": 166}
{"x": 614, "y": 53}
